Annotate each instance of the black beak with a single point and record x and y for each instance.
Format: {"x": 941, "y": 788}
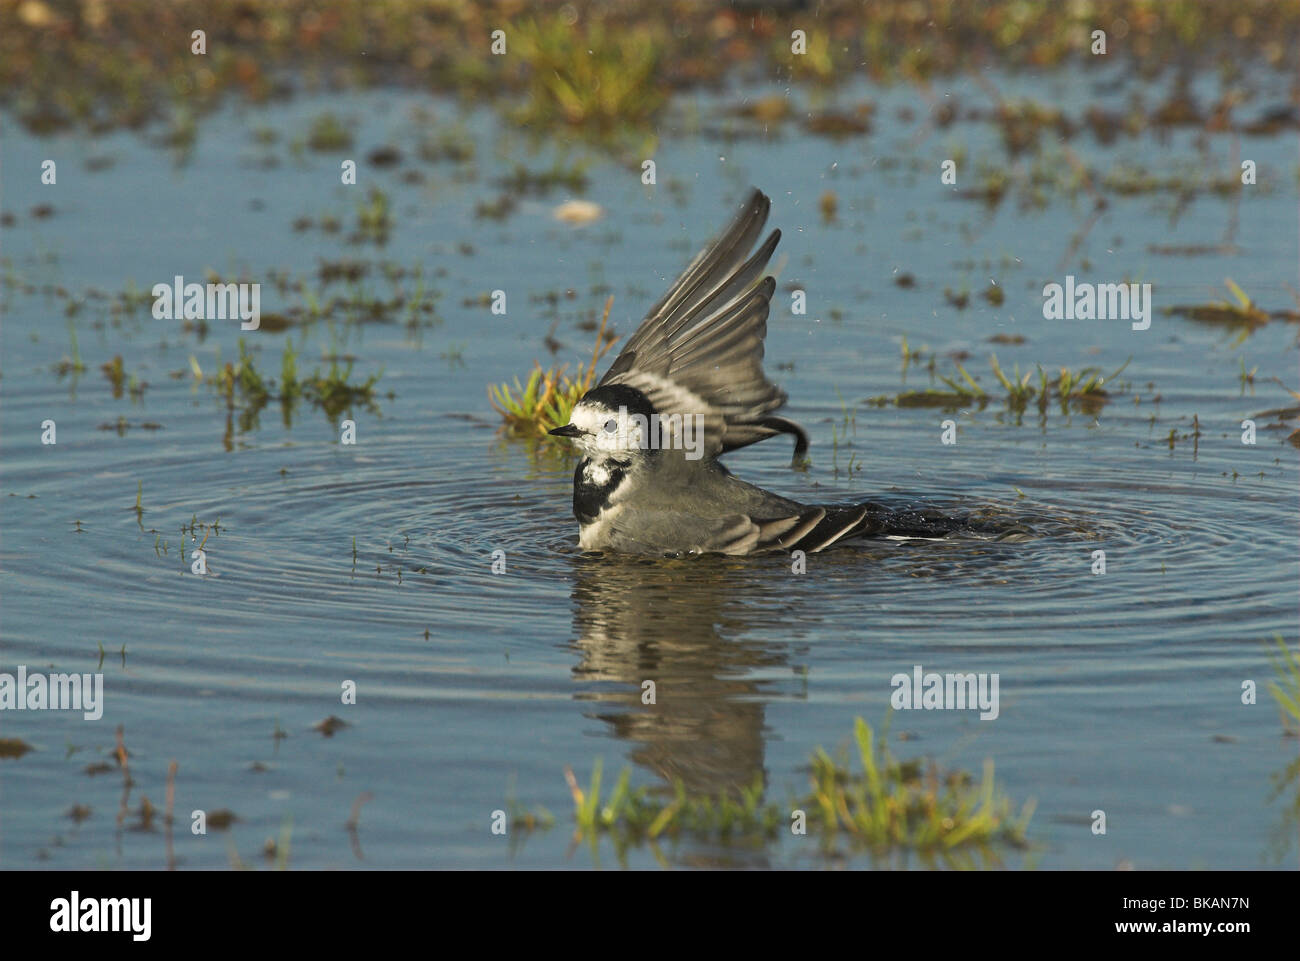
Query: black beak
{"x": 568, "y": 430}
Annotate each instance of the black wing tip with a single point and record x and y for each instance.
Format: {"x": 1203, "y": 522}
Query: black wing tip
{"x": 756, "y": 203}
{"x": 763, "y": 253}
{"x": 772, "y": 426}
{"x": 782, "y": 425}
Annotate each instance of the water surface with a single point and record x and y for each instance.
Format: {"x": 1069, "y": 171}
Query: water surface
{"x": 372, "y": 563}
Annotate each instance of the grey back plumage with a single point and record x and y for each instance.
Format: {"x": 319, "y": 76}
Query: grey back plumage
{"x": 679, "y": 507}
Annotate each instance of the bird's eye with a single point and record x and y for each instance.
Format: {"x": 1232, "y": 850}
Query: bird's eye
{"x": 611, "y": 426}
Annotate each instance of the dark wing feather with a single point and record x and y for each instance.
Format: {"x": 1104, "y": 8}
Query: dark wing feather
{"x": 832, "y": 524}
{"x": 700, "y": 348}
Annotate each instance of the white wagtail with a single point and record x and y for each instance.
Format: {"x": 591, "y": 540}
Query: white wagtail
{"x": 686, "y": 388}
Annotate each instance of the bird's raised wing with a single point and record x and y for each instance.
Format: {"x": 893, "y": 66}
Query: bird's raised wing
{"x": 699, "y": 350}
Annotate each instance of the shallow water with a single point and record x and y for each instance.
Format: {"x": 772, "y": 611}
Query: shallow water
{"x": 1119, "y": 692}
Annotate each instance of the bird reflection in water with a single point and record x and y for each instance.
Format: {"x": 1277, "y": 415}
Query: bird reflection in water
{"x": 698, "y": 629}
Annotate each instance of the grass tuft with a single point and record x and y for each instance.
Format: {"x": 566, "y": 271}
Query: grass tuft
{"x": 883, "y": 807}
{"x": 586, "y": 76}
{"x": 243, "y": 387}
{"x": 1286, "y": 689}
{"x": 1083, "y": 389}
{"x": 546, "y": 401}
{"x": 1240, "y": 313}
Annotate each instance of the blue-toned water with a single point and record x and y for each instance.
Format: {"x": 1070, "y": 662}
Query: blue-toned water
{"x": 1120, "y": 691}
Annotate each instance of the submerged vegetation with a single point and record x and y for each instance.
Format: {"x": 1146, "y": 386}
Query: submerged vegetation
{"x": 1286, "y": 689}
{"x": 1241, "y": 313}
{"x": 241, "y": 383}
{"x": 1286, "y": 782}
{"x": 1082, "y": 390}
{"x": 246, "y": 390}
{"x": 886, "y": 808}
{"x": 1284, "y": 414}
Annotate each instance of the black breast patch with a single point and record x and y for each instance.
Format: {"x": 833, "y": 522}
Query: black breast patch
{"x": 590, "y": 499}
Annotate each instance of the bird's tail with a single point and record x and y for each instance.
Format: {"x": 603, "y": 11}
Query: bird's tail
{"x": 838, "y": 523}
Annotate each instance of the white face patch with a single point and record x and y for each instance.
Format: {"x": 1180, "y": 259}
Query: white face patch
{"x": 589, "y": 417}
{"x": 607, "y": 431}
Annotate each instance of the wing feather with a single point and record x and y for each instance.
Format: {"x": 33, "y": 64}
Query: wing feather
{"x": 699, "y": 350}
